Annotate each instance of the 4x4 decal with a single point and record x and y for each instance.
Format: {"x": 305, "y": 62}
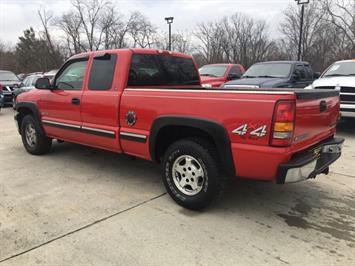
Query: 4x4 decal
{"x": 245, "y": 128}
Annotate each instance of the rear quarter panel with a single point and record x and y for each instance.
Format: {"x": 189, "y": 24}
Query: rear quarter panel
{"x": 228, "y": 108}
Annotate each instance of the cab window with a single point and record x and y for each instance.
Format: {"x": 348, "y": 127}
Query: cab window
{"x": 299, "y": 70}
{"x": 72, "y": 75}
{"x": 102, "y": 72}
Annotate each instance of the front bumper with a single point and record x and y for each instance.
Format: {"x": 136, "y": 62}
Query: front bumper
{"x": 310, "y": 163}
{"x": 347, "y": 110}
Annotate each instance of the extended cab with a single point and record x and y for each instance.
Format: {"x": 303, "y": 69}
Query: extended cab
{"x": 214, "y": 75}
{"x": 149, "y": 104}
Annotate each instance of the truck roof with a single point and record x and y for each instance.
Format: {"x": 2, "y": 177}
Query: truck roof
{"x": 345, "y": 61}
{"x": 284, "y": 61}
{"x": 134, "y": 51}
{"x": 222, "y": 64}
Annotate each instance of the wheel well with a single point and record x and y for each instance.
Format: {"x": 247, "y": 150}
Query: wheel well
{"x": 22, "y": 112}
{"x": 170, "y": 134}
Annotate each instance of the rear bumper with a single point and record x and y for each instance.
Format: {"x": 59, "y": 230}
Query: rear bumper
{"x": 310, "y": 163}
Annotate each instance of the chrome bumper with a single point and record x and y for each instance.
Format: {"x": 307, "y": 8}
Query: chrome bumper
{"x": 310, "y": 163}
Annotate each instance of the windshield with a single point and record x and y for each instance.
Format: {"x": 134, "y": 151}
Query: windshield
{"x": 8, "y": 76}
{"x": 213, "y": 71}
{"x": 341, "y": 69}
{"x": 277, "y": 70}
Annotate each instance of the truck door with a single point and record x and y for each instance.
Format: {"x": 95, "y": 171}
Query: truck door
{"x": 60, "y": 107}
{"x": 100, "y": 104}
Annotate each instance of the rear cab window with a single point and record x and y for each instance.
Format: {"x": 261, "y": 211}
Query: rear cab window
{"x": 162, "y": 70}
{"x": 102, "y": 72}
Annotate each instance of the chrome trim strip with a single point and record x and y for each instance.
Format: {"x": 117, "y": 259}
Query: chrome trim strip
{"x": 99, "y": 130}
{"x": 133, "y": 135}
{"x": 213, "y": 91}
{"x": 60, "y": 124}
{"x": 347, "y": 106}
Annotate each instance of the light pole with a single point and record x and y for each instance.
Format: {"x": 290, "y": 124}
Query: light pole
{"x": 169, "y": 20}
{"x": 301, "y": 2}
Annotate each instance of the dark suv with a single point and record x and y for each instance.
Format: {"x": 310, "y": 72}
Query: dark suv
{"x": 276, "y": 74}
{"x": 8, "y": 82}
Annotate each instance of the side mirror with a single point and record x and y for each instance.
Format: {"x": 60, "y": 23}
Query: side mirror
{"x": 316, "y": 75}
{"x": 43, "y": 84}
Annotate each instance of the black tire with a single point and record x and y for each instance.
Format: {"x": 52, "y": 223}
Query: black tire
{"x": 40, "y": 144}
{"x": 204, "y": 153}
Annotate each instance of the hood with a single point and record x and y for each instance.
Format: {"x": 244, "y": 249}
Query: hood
{"x": 335, "y": 81}
{"x": 206, "y": 79}
{"x": 261, "y": 82}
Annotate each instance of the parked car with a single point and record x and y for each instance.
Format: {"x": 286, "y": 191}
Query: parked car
{"x": 276, "y": 74}
{"x": 50, "y": 74}
{"x": 8, "y": 82}
{"x": 151, "y": 105}
{"x": 214, "y": 75}
{"x": 2, "y": 98}
{"x": 26, "y": 85}
{"x": 340, "y": 76}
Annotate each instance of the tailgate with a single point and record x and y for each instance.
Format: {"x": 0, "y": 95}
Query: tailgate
{"x": 317, "y": 114}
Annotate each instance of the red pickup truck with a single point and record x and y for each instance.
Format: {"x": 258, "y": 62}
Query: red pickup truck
{"x": 215, "y": 75}
{"x": 149, "y": 104}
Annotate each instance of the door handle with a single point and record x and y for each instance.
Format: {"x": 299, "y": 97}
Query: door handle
{"x": 75, "y": 101}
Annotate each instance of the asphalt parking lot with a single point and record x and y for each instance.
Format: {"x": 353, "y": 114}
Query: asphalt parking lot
{"x": 78, "y": 205}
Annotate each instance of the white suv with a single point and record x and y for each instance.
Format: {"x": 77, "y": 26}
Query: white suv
{"x": 340, "y": 76}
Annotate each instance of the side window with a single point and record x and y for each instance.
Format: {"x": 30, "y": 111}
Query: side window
{"x": 102, "y": 72}
{"x": 72, "y": 76}
{"x": 235, "y": 71}
{"x": 309, "y": 72}
{"x": 300, "y": 71}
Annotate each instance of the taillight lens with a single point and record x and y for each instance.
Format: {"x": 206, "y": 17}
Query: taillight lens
{"x": 0, "y": 88}
{"x": 284, "y": 123}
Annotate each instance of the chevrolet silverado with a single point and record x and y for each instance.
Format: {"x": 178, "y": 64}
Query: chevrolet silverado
{"x": 149, "y": 104}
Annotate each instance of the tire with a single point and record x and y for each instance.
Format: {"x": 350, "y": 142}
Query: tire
{"x": 190, "y": 173}
{"x": 33, "y": 138}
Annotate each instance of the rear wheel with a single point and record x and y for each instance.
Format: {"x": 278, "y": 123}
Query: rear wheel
{"x": 33, "y": 137}
{"x": 190, "y": 173}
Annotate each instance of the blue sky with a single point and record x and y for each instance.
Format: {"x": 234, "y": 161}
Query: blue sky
{"x": 17, "y": 15}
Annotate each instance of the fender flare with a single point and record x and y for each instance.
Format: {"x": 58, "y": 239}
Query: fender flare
{"x": 217, "y": 132}
{"x": 29, "y": 106}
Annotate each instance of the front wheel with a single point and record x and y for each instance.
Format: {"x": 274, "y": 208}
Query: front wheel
{"x": 33, "y": 137}
{"x": 190, "y": 173}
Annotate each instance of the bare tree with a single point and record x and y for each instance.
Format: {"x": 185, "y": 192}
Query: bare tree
{"x": 180, "y": 42}
{"x": 52, "y": 49}
{"x": 323, "y": 41}
{"x": 142, "y": 31}
{"x": 342, "y": 15}
{"x": 90, "y": 12}
{"x": 70, "y": 23}
{"x": 237, "y": 38}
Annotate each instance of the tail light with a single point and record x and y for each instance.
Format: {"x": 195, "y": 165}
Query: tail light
{"x": 284, "y": 123}
{"x": 0, "y": 88}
